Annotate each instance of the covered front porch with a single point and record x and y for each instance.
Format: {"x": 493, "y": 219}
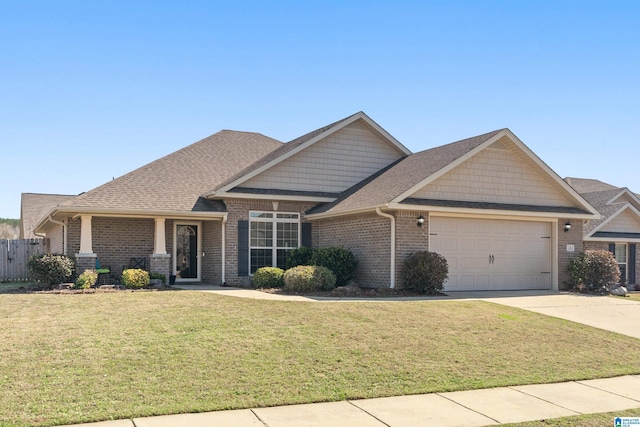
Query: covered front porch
{"x": 191, "y": 249}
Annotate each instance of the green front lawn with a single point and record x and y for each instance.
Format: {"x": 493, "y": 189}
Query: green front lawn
{"x": 592, "y": 420}
{"x": 78, "y": 358}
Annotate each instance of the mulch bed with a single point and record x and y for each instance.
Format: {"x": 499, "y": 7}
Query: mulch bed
{"x": 353, "y": 292}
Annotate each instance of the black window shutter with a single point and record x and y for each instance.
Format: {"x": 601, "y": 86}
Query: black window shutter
{"x": 612, "y": 248}
{"x": 631, "y": 268}
{"x": 243, "y": 248}
{"x": 306, "y": 234}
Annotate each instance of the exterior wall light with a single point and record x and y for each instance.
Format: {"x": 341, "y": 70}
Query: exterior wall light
{"x": 420, "y": 221}
{"x": 567, "y": 227}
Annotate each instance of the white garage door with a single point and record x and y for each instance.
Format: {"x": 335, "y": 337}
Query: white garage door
{"x": 489, "y": 254}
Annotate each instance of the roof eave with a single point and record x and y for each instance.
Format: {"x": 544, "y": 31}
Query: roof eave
{"x": 498, "y": 212}
{"x": 293, "y": 198}
{"x": 126, "y": 213}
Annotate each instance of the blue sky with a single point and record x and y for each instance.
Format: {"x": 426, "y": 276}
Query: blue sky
{"x": 90, "y": 90}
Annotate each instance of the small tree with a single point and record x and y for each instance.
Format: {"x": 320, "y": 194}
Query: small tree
{"x": 299, "y": 256}
{"x": 50, "y": 269}
{"x": 86, "y": 279}
{"x": 309, "y": 278}
{"x": 338, "y": 259}
{"x": 425, "y": 272}
{"x": 135, "y": 278}
{"x": 268, "y": 277}
{"x": 594, "y": 271}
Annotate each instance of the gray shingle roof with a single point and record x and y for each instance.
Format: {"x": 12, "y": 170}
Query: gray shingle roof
{"x": 34, "y": 206}
{"x": 582, "y": 185}
{"x": 177, "y": 181}
{"x": 597, "y": 193}
{"x": 401, "y": 176}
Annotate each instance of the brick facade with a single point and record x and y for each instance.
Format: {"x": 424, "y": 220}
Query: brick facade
{"x": 409, "y": 238}
{"x": 368, "y": 237}
{"x": 565, "y": 238}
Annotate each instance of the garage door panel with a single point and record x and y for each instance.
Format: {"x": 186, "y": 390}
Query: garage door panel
{"x": 521, "y": 253}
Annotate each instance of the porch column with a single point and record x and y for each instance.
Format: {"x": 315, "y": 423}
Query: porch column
{"x": 86, "y": 241}
{"x": 159, "y": 242}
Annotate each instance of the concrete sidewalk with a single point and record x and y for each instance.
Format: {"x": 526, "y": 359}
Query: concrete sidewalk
{"x": 462, "y": 408}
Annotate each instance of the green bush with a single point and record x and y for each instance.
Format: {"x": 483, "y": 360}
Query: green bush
{"x": 268, "y": 277}
{"x": 51, "y": 270}
{"x": 86, "y": 279}
{"x": 135, "y": 278}
{"x": 309, "y": 278}
{"x": 156, "y": 275}
{"x": 339, "y": 260}
{"x": 299, "y": 256}
{"x": 425, "y": 272}
{"x": 594, "y": 271}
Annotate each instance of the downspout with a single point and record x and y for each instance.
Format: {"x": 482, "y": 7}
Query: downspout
{"x": 224, "y": 251}
{"x": 392, "y": 280}
{"x": 64, "y": 233}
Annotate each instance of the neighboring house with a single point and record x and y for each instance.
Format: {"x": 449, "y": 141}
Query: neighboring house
{"x": 217, "y": 210}
{"x": 33, "y": 207}
{"x": 618, "y": 230}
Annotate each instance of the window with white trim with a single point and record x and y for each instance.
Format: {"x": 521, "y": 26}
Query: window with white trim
{"x": 271, "y": 236}
{"x": 621, "y": 257}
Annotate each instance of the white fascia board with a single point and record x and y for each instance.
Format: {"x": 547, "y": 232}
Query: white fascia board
{"x": 358, "y": 116}
{"x": 447, "y": 168}
{"x": 498, "y": 212}
{"x": 611, "y": 239}
{"x": 611, "y": 218}
{"x": 323, "y": 215}
{"x": 574, "y": 194}
{"x": 383, "y": 132}
{"x": 128, "y": 213}
{"x": 274, "y": 197}
{"x": 624, "y": 191}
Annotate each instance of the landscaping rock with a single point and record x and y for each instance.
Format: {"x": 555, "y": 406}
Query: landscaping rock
{"x": 620, "y": 291}
{"x": 63, "y": 286}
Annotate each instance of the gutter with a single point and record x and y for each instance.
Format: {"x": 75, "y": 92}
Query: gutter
{"x": 224, "y": 251}
{"x": 392, "y": 279}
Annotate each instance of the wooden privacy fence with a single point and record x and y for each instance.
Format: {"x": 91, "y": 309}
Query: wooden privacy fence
{"x": 14, "y": 255}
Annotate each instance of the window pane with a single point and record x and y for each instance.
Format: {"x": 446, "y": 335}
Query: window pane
{"x": 287, "y": 235}
{"x": 260, "y": 258}
{"x": 287, "y": 216}
{"x": 261, "y": 234}
{"x": 261, "y": 215}
{"x": 621, "y": 253}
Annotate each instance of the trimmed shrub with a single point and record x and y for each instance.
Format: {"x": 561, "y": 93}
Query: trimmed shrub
{"x": 135, "y": 278}
{"x": 594, "y": 271}
{"x": 51, "y": 270}
{"x": 309, "y": 278}
{"x": 425, "y": 272}
{"x": 339, "y": 260}
{"x": 299, "y": 256}
{"x": 268, "y": 277}
{"x": 156, "y": 275}
{"x": 86, "y": 279}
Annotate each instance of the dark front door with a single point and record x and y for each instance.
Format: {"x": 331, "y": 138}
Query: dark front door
{"x": 187, "y": 251}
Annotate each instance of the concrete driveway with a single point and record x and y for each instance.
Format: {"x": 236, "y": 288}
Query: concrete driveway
{"x": 617, "y": 314}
